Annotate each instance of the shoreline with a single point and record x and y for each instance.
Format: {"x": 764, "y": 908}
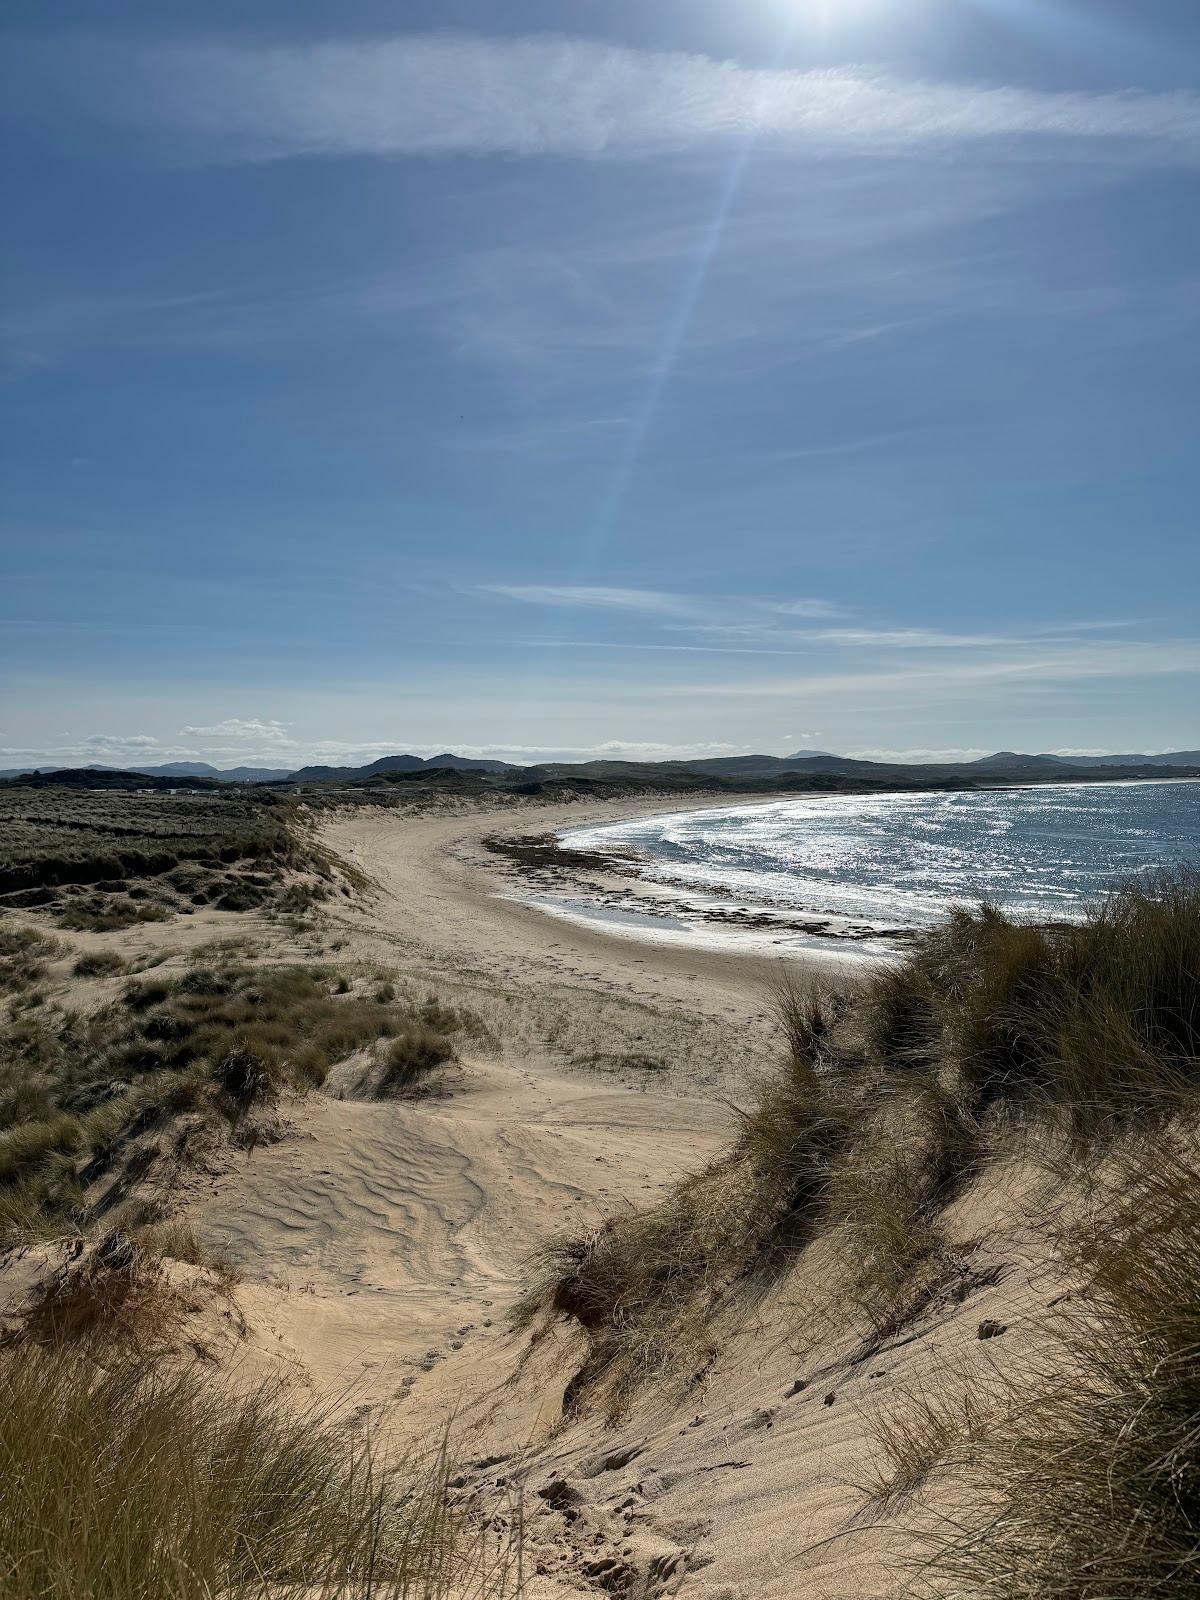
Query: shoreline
{"x": 607, "y": 889}
{"x": 500, "y": 890}
{"x": 632, "y": 885}
{"x": 459, "y": 919}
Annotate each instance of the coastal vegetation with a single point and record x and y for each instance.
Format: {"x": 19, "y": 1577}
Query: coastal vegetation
{"x": 105, "y": 859}
{"x": 80, "y": 1091}
{"x": 1077, "y": 1047}
{"x": 129, "y": 1479}
{"x": 126, "y": 1471}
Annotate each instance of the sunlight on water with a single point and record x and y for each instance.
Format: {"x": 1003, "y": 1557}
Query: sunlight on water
{"x": 904, "y": 859}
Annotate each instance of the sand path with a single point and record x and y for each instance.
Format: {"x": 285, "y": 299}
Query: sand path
{"x": 384, "y": 1234}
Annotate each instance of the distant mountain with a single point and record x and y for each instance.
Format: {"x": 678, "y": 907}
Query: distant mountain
{"x": 1004, "y": 766}
{"x": 398, "y": 764}
{"x": 172, "y": 769}
{"x": 1169, "y": 758}
{"x": 104, "y": 778}
{"x": 201, "y": 769}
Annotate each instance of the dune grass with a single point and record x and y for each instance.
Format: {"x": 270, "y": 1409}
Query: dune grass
{"x": 1099, "y": 1021}
{"x": 924, "y": 1431}
{"x": 98, "y": 964}
{"x": 885, "y": 1107}
{"x": 24, "y": 954}
{"x": 644, "y": 1284}
{"x": 217, "y": 1039}
{"x": 54, "y": 836}
{"x": 129, "y": 1480}
{"x": 1089, "y": 1486}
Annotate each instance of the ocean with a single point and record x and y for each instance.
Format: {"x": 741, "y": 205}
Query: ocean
{"x": 901, "y": 861}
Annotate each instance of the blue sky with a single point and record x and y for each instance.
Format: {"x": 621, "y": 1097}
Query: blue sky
{"x": 599, "y": 377}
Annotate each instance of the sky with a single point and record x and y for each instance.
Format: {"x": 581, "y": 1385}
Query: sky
{"x": 629, "y": 377}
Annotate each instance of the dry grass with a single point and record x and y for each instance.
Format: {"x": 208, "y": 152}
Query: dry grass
{"x": 128, "y": 1481}
{"x": 411, "y": 1056}
{"x": 98, "y": 964}
{"x": 116, "y": 1296}
{"x": 1099, "y": 1022}
{"x": 1091, "y": 1490}
{"x": 646, "y": 1285}
{"x": 921, "y": 1432}
{"x": 24, "y": 952}
{"x": 175, "y": 1240}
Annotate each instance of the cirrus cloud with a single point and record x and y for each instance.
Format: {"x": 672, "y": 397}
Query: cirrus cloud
{"x": 547, "y": 95}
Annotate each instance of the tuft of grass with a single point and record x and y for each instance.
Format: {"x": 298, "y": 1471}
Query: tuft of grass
{"x": 176, "y": 1240}
{"x": 920, "y": 1433}
{"x": 98, "y": 964}
{"x": 130, "y": 1481}
{"x": 411, "y": 1055}
{"x": 116, "y": 1295}
{"x": 24, "y": 952}
{"x": 28, "y": 1146}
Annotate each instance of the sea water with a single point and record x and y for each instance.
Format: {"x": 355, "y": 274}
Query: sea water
{"x": 902, "y": 860}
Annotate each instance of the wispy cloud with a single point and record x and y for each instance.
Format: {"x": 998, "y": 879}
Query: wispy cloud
{"x": 736, "y": 625}
{"x": 1086, "y": 661}
{"x": 645, "y": 602}
{"x": 910, "y": 638}
{"x": 702, "y": 613}
{"x": 439, "y": 94}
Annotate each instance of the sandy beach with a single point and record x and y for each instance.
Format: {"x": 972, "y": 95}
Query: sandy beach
{"x": 457, "y": 901}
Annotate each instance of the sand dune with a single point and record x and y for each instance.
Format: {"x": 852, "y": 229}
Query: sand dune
{"x": 382, "y": 1247}
{"x": 379, "y": 1230}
